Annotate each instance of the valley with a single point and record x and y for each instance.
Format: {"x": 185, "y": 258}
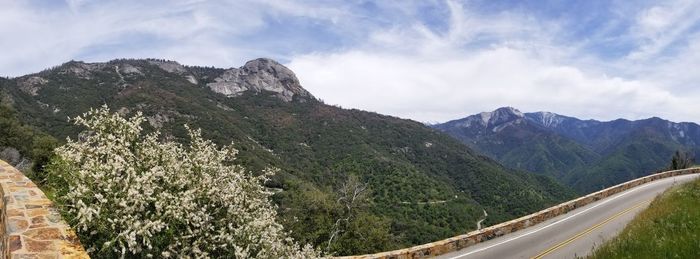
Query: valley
{"x": 273, "y": 121}
{"x": 304, "y": 129}
{"x": 586, "y": 155}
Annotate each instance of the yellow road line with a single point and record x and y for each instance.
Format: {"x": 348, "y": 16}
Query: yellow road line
{"x": 577, "y": 236}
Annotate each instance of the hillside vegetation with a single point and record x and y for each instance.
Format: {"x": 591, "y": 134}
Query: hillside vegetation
{"x": 669, "y": 228}
{"x": 323, "y": 152}
{"x": 586, "y": 155}
{"x": 130, "y": 195}
{"x": 22, "y": 145}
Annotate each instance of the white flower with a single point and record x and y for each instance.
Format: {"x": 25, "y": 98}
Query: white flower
{"x": 142, "y": 190}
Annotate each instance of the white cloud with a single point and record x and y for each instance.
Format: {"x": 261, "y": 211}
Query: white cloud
{"x": 74, "y": 5}
{"x": 659, "y": 26}
{"x": 386, "y": 58}
{"x": 208, "y": 33}
{"x": 439, "y": 90}
{"x": 677, "y": 72}
{"x": 415, "y": 72}
{"x": 310, "y": 10}
{"x": 41, "y": 37}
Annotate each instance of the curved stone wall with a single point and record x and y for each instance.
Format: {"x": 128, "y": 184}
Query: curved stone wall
{"x": 30, "y": 224}
{"x": 471, "y": 238}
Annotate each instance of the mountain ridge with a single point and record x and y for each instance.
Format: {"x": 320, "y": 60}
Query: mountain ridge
{"x": 572, "y": 150}
{"x": 317, "y": 147}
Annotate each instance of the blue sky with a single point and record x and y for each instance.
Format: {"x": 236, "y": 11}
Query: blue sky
{"x": 425, "y": 60}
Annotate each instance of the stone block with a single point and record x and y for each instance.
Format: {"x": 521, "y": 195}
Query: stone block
{"x": 39, "y": 246}
{"x": 15, "y": 213}
{"x": 16, "y": 225}
{"x": 44, "y": 234}
{"x": 37, "y": 212}
{"x": 14, "y": 243}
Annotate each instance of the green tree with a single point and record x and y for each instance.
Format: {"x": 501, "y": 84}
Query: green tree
{"x": 356, "y": 230}
{"x": 32, "y": 144}
{"x": 681, "y": 160}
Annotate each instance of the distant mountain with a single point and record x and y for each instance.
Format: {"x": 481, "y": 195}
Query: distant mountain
{"x": 424, "y": 184}
{"x": 584, "y": 154}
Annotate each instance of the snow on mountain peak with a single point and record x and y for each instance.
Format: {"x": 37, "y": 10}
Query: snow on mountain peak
{"x": 485, "y": 117}
{"x": 549, "y": 119}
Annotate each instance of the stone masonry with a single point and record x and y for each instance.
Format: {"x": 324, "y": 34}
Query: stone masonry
{"x": 31, "y": 226}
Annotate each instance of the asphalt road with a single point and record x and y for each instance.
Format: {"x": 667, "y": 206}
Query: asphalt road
{"x": 575, "y": 233}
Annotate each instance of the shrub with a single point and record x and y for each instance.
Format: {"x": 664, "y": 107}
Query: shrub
{"x": 130, "y": 194}
{"x": 681, "y": 160}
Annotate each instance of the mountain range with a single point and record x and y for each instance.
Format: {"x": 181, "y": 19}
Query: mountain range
{"x": 586, "y": 155}
{"x": 422, "y": 185}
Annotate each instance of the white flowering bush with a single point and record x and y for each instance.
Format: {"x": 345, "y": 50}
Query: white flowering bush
{"x": 130, "y": 194}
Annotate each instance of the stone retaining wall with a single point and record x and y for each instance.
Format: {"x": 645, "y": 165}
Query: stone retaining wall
{"x": 471, "y": 238}
{"x": 31, "y": 226}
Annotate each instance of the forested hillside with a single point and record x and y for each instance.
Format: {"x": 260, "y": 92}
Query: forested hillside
{"x": 416, "y": 184}
{"x": 22, "y": 145}
{"x": 587, "y": 155}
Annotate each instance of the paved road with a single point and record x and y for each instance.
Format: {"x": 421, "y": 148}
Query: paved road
{"x": 575, "y": 233}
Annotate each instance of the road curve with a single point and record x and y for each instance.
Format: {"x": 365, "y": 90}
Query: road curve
{"x": 575, "y": 233}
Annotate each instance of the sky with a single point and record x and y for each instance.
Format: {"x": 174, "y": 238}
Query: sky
{"x": 431, "y": 61}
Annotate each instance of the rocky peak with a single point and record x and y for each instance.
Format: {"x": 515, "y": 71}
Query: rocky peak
{"x": 175, "y": 68}
{"x": 492, "y": 119}
{"x": 260, "y": 75}
{"x": 547, "y": 119}
{"x": 32, "y": 84}
{"x": 169, "y": 66}
{"x": 81, "y": 69}
{"x": 502, "y": 115}
{"x": 128, "y": 69}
